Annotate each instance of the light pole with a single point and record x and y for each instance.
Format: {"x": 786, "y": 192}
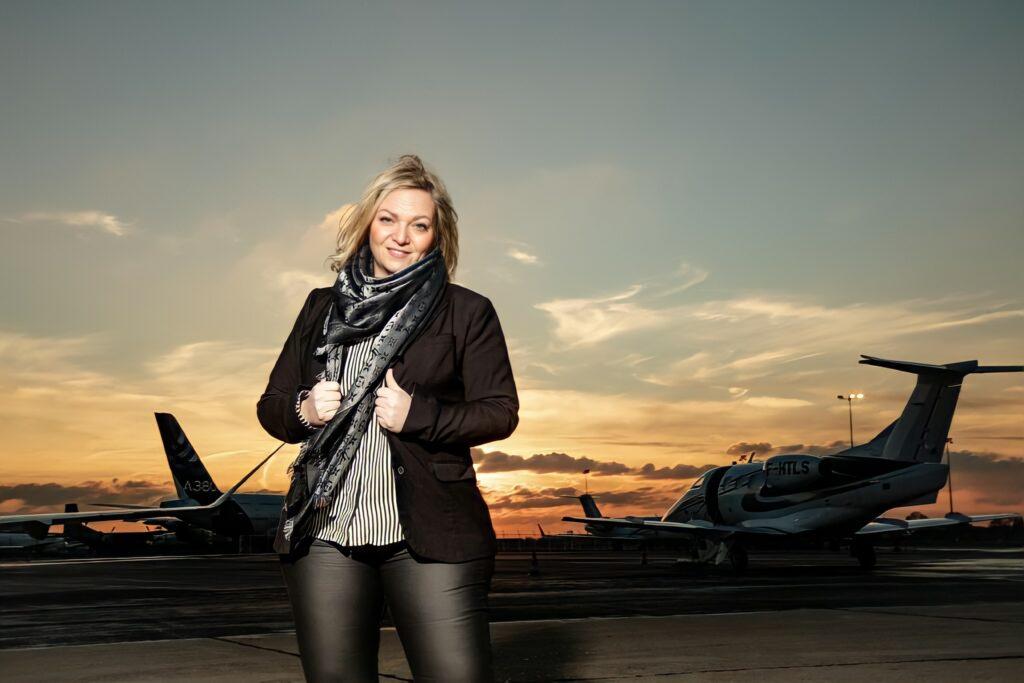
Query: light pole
{"x": 849, "y": 400}
{"x": 949, "y": 473}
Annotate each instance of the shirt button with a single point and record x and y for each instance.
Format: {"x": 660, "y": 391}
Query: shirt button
{"x": 401, "y": 470}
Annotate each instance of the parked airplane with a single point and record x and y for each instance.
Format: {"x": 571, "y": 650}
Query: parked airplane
{"x": 246, "y": 514}
{"x": 606, "y": 532}
{"x": 200, "y": 513}
{"x": 116, "y": 542}
{"x": 831, "y": 498}
{"x": 11, "y": 543}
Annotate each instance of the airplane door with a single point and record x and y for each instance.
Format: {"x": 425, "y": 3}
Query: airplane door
{"x": 711, "y": 494}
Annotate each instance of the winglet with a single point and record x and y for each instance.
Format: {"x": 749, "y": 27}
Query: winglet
{"x": 227, "y": 494}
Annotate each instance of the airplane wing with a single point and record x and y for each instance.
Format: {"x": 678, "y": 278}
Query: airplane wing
{"x": 593, "y": 537}
{"x": 588, "y": 536}
{"x": 120, "y": 506}
{"x": 43, "y": 544}
{"x": 692, "y": 528}
{"x": 37, "y": 525}
{"x": 888, "y": 525}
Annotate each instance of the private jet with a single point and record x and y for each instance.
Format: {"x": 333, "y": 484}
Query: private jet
{"x": 832, "y": 498}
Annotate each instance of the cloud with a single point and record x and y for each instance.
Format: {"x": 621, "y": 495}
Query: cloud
{"x": 765, "y": 448}
{"x": 650, "y": 471}
{"x": 813, "y": 449}
{"x": 976, "y": 319}
{"x": 68, "y": 416}
{"x": 776, "y": 402}
{"x": 702, "y": 365}
{"x": 524, "y": 498}
{"x": 562, "y": 463}
{"x": 290, "y": 263}
{"x": 687, "y": 275}
{"x": 734, "y": 341}
{"x": 634, "y": 359}
{"x": 104, "y": 222}
{"x": 590, "y": 321}
{"x": 744, "y": 447}
{"x": 497, "y": 461}
{"x": 298, "y": 281}
{"x": 30, "y": 498}
{"x": 988, "y": 479}
{"x": 851, "y": 321}
{"x": 523, "y": 256}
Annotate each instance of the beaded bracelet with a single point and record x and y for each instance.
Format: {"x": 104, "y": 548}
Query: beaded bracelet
{"x": 298, "y": 409}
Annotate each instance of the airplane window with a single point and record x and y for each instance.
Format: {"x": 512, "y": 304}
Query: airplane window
{"x": 700, "y": 481}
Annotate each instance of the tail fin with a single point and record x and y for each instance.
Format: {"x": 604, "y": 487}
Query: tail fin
{"x": 589, "y": 506}
{"x": 75, "y": 530}
{"x": 190, "y": 476}
{"x": 921, "y": 430}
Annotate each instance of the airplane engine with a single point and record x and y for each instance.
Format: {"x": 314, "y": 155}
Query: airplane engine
{"x": 792, "y": 473}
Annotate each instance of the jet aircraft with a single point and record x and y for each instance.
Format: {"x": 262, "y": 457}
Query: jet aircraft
{"x": 829, "y": 498}
{"x": 246, "y": 514}
{"x": 607, "y": 532}
{"x": 200, "y": 514}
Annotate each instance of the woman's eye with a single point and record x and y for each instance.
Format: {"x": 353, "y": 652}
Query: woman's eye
{"x": 422, "y": 226}
{"x": 385, "y": 218}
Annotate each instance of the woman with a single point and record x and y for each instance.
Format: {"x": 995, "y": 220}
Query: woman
{"x": 388, "y": 378}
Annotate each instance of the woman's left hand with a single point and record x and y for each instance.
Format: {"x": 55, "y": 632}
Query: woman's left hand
{"x": 392, "y": 404}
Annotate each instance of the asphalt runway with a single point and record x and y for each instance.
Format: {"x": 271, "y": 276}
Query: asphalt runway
{"x": 82, "y": 601}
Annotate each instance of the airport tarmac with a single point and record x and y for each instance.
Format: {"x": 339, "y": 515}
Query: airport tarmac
{"x": 922, "y": 614}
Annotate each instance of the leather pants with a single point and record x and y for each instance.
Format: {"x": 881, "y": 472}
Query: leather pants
{"x": 439, "y": 609}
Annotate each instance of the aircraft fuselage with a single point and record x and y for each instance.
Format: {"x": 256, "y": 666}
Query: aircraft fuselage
{"x": 798, "y": 494}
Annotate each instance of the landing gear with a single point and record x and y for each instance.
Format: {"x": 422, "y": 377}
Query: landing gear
{"x": 865, "y": 554}
{"x": 718, "y": 553}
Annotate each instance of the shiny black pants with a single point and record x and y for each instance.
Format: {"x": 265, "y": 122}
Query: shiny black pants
{"x": 439, "y": 609}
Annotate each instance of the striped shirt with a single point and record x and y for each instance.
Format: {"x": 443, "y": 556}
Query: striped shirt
{"x": 365, "y": 508}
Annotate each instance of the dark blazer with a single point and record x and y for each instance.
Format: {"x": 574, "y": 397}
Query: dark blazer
{"x": 463, "y": 394}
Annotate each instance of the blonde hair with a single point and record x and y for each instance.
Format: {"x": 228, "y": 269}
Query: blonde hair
{"x": 407, "y": 173}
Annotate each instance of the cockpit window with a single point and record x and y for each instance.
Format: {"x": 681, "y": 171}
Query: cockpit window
{"x": 700, "y": 481}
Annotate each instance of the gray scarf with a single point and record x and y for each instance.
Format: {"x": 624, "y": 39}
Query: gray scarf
{"x": 396, "y": 306}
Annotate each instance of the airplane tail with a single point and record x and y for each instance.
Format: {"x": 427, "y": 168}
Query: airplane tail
{"x": 190, "y": 476}
{"x": 589, "y": 506}
{"x": 919, "y": 434}
{"x": 75, "y": 530}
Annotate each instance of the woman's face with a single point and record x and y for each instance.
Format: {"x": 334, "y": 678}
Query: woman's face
{"x": 402, "y": 232}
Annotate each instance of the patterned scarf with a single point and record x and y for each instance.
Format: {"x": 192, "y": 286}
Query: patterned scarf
{"x": 396, "y": 306}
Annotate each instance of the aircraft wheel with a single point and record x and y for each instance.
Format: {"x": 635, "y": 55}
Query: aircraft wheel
{"x": 738, "y": 559}
{"x": 865, "y": 554}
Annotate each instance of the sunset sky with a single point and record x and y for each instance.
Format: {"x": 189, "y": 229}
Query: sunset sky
{"x": 691, "y": 218}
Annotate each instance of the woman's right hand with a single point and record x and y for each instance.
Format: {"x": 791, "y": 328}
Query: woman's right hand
{"x": 322, "y": 403}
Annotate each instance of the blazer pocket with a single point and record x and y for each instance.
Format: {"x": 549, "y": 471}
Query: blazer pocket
{"x": 447, "y": 470}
